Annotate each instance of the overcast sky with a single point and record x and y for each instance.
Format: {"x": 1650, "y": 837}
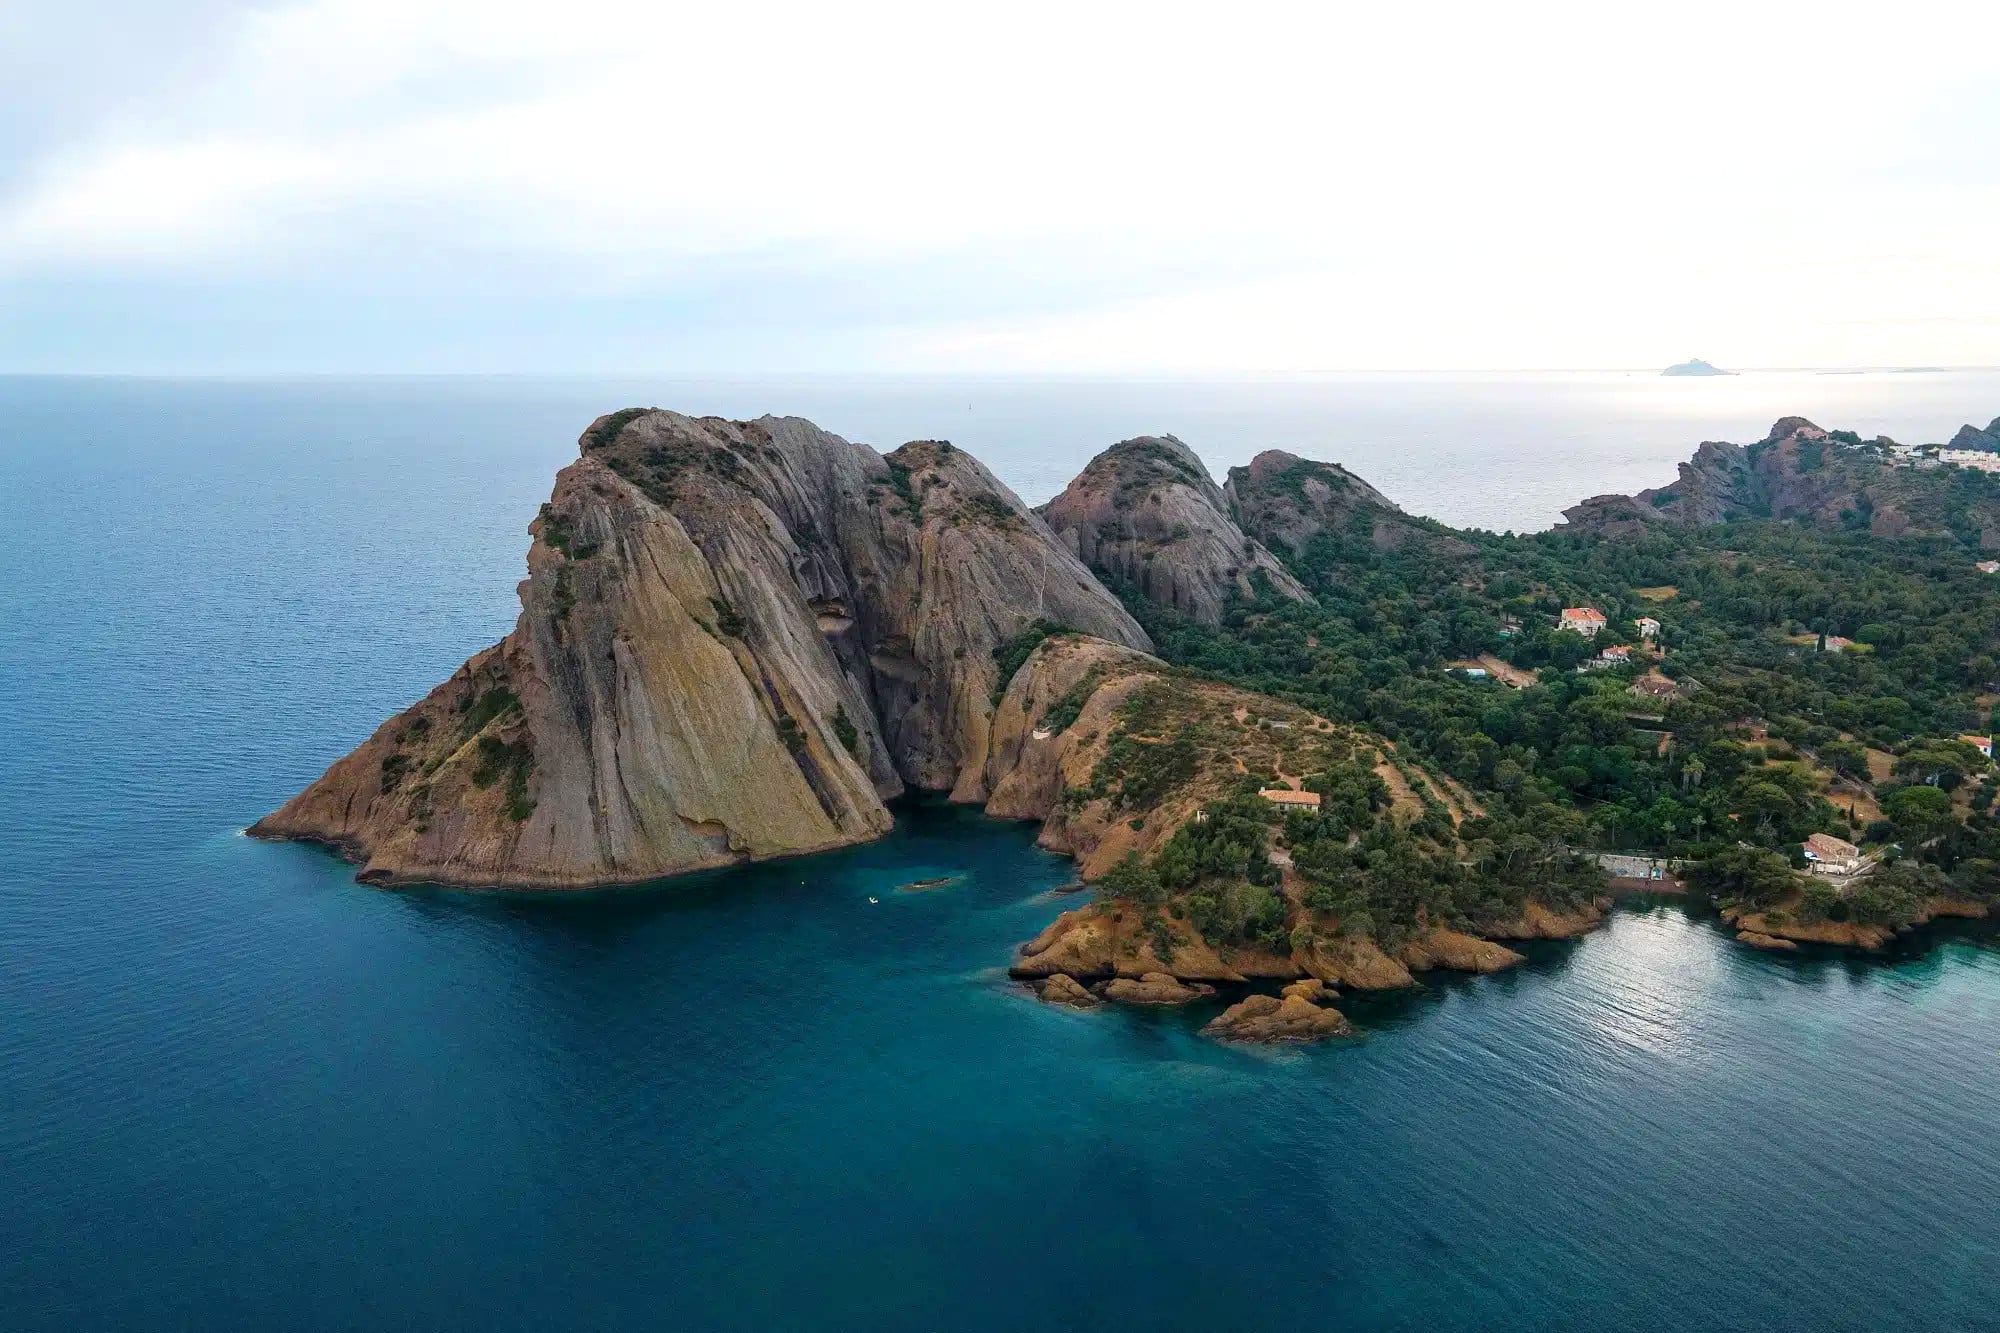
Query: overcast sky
{"x": 423, "y": 185}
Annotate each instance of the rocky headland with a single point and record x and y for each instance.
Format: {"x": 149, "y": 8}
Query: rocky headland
{"x": 1799, "y": 471}
{"x": 740, "y": 640}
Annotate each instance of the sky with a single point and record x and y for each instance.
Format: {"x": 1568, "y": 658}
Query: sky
{"x": 342, "y": 186}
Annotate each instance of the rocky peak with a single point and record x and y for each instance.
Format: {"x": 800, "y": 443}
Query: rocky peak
{"x": 1286, "y": 501}
{"x": 1146, "y": 512}
{"x": 737, "y": 638}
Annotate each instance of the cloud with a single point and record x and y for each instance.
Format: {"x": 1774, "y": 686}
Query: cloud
{"x": 1112, "y": 182}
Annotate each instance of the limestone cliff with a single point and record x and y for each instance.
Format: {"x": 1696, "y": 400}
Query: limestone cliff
{"x": 736, "y": 640}
{"x": 1145, "y": 512}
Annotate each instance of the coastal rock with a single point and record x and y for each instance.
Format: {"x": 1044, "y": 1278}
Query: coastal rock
{"x": 1797, "y": 471}
{"x": 1457, "y": 952}
{"x": 1759, "y": 940}
{"x": 1538, "y": 921}
{"x": 1355, "y": 963}
{"x": 1270, "y": 1019}
{"x": 1784, "y": 924}
{"x": 737, "y": 639}
{"x": 1064, "y": 989}
{"x": 1155, "y": 988}
{"x": 1310, "y": 989}
{"x": 1146, "y": 512}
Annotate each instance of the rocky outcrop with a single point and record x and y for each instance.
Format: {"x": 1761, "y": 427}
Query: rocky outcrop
{"x": 1784, "y": 922}
{"x": 1797, "y": 471}
{"x": 1458, "y": 952}
{"x": 1145, "y": 512}
{"x": 1067, "y": 706}
{"x": 1285, "y": 501}
{"x": 1538, "y": 921}
{"x": 1972, "y": 437}
{"x": 1156, "y": 988}
{"x": 1294, "y": 1016}
{"x": 1759, "y": 940}
{"x": 1066, "y": 990}
{"x": 736, "y": 640}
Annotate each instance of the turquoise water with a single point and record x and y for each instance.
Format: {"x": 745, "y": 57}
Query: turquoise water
{"x": 239, "y": 1091}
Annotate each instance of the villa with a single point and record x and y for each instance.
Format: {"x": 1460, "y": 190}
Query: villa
{"x": 1988, "y": 566}
{"x": 1829, "y": 855}
{"x": 1285, "y": 796}
{"x": 1648, "y": 627}
{"x": 1983, "y": 744}
{"x": 1584, "y": 620}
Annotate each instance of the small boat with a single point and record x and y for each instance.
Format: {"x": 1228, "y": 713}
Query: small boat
{"x": 873, "y": 899}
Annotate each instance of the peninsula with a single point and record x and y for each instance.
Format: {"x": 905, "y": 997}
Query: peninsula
{"x": 1291, "y": 734}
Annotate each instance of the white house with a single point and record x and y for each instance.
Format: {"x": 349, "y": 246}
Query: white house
{"x": 1983, "y": 744}
{"x": 1585, "y": 620}
{"x": 1648, "y": 627}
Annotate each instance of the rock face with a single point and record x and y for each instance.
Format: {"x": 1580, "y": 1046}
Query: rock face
{"x": 1759, "y": 940}
{"x": 736, "y": 640}
{"x": 1062, "y": 989}
{"x": 1295, "y": 1016}
{"x": 1797, "y": 471}
{"x": 1972, "y": 437}
{"x": 1285, "y": 501}
{"x": 1146, "y": 512}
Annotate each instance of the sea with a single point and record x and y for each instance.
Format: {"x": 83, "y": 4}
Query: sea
{"x": 240, "y": 1091}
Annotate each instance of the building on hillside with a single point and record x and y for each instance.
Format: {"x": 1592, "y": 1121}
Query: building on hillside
{"x": 1988, "y": 566}
{"x": 1828, "y": 855}
{"x": 1294, "y": 800}
{"x": 1649, "y": 628}
{"x": 1585, "y": 620}
{"x": 1836, "y": 644}
{"x": 1979, "y": 460}
{"x": 1983, "y": 744}
{"x": 1618, "y": 654}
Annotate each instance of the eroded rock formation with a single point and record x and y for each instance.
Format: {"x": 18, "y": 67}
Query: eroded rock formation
{"x": 736, "y": 640}
{"x": 1145, "y": 512}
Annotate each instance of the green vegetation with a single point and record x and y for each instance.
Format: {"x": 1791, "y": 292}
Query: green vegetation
{"x": 495, "y": 759}
{"x": 495, "y": 701}
{"x": 1009, "y": 656}
{"x": 1752, "y": 732}
{"x": 727, "y": 620}
{"x": 606, "y": 432}
{"x": 843, "y": 727}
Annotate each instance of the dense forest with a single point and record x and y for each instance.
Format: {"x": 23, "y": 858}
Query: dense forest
{"x": 1802, "y": 679}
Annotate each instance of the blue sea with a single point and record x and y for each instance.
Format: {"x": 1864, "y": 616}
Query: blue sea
{"x": 240, "y": 1091}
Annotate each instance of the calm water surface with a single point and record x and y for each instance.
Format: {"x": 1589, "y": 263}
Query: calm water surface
{"x": 239, "y": 1091}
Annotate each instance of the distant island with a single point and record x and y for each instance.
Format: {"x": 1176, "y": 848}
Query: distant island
{"x": 1697, "y": 366}
{"x": 1294, "y": 736}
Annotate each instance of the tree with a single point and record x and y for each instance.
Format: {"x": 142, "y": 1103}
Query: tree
{"x": 1919, "y": 813}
